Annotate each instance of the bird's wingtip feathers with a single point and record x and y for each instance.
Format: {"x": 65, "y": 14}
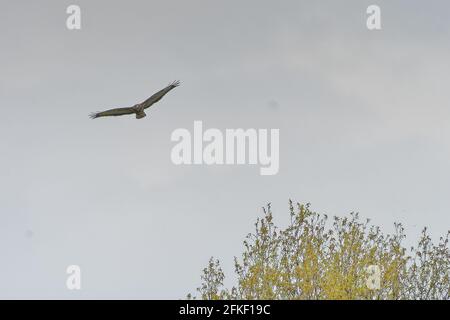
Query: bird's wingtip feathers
{"x": 174, "y": 84}
{"x": 93, "y": 115}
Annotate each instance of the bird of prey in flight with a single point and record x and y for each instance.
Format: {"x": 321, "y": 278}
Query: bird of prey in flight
{"x": 139, "y": 108}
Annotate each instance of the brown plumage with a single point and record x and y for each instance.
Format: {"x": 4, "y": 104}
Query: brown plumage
{"x": 137, "y": 109}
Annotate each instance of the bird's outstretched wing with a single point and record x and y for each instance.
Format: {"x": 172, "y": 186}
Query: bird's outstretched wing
{"x": 158, "y": 96}
{"x": 113, "y": 112}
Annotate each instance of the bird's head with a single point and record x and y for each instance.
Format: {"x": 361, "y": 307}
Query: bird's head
{"x": 138, "y": 107}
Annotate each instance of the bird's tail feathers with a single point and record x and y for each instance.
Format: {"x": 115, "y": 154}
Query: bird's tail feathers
{"x": 140, "y": 115}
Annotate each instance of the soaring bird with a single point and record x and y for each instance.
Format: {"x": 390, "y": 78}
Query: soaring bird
{"x": 139, "y": 108}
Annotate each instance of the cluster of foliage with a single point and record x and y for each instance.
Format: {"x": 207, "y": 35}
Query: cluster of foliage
{"x": 320, "y": 258}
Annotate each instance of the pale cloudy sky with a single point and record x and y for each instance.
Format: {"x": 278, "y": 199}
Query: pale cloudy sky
{"x": 363, "y": 118}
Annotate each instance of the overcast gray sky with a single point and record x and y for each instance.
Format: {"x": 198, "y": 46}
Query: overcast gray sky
{"x": 363, "y": 118}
